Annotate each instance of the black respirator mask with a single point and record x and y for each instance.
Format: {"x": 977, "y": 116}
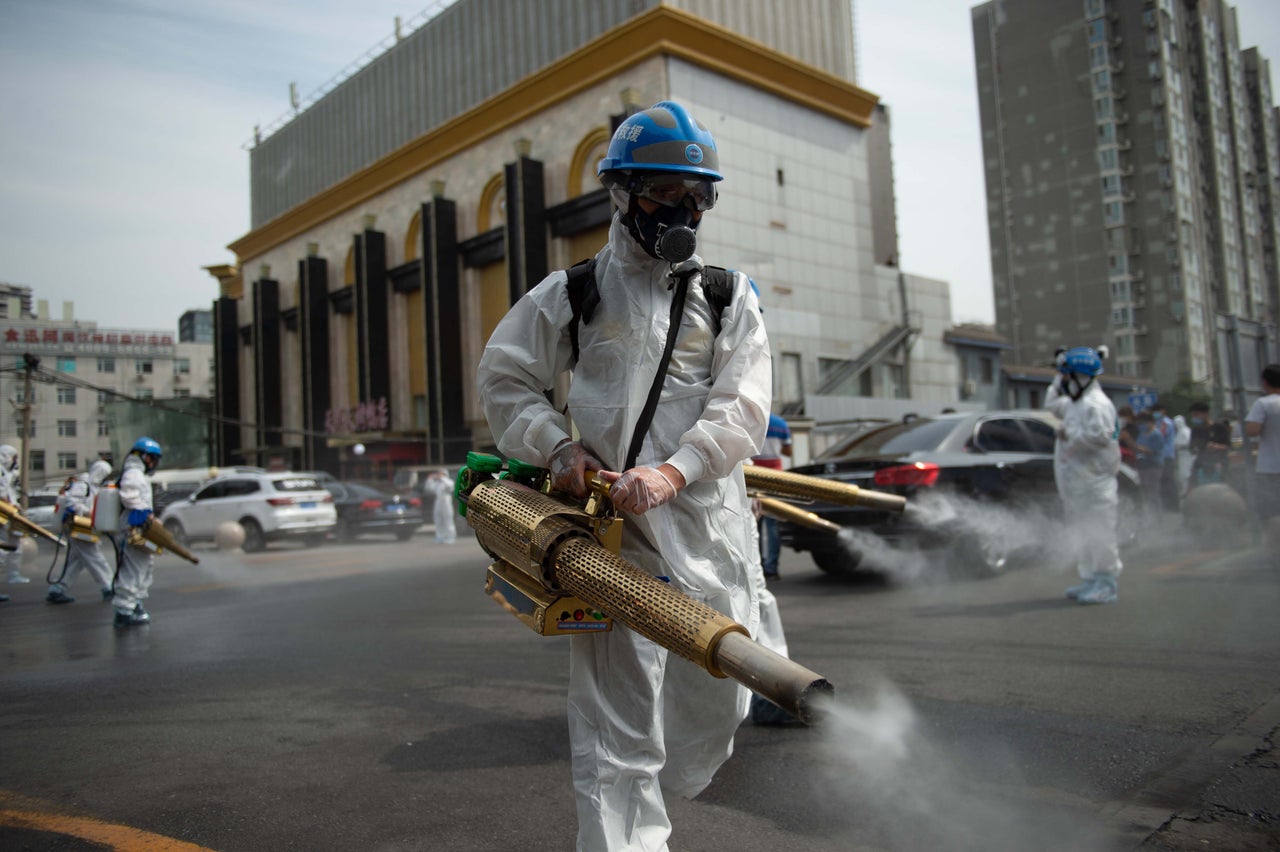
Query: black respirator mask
{"x": 666, "y": 234}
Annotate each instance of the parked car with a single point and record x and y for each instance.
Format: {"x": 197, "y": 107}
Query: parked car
{"x": 269, "y": 506}
{"x": 40, "y": 509}
{"x": 364, "y": 509}
{"x": 999, "y": 457}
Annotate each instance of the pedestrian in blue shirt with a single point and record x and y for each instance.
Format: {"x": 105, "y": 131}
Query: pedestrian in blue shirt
{"x": 1150, "y": 447}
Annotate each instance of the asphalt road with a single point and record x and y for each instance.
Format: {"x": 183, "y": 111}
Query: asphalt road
{"x": 369, "y": 697}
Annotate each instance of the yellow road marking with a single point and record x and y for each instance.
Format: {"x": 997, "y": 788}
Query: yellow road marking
{"x": 121, "y": 838}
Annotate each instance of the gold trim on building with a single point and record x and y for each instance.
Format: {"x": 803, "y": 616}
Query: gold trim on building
{"x": 663, "y": 30}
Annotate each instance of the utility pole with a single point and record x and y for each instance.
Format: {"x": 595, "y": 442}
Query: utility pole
{"x": 30, "y": 362}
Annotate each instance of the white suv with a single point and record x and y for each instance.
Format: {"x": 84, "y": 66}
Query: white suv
{"x": 268, "y": 506}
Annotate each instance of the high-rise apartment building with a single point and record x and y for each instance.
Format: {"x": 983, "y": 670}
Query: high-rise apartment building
{"x": 1132, "y": 171}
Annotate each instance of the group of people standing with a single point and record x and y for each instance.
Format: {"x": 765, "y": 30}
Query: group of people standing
{"x": 128, "y": 584}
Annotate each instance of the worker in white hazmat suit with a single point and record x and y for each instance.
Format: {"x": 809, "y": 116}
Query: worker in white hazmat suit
{"x": 133, "y": 581}
{"x": 440, "y": 486}
{"x": 77, "y": 499}
{"x": 643, "y": 722}
{"x": 1086, "y": 460}
{"x": 10, "y": 536}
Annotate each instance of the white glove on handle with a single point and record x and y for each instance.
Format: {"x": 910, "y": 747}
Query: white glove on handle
{"x": 569, "y": 463}
{"x": 640, "y": 489}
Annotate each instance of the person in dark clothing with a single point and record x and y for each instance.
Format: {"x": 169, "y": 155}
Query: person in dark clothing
{"x": 1210, "y": 444}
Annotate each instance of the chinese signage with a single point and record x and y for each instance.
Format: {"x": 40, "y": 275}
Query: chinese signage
{"x": 96, "y": 341}
{"x": 365, "y": 417}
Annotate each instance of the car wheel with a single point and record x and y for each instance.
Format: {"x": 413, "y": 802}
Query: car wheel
{"x": 254, "y": 540}
{"x": 404, "y": 535}
{"x": 175, "y": 529}
{"x": 838, "y": 562}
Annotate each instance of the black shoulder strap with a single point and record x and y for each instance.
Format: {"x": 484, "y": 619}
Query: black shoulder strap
{"x": 655, "y": 390}
{"x": 717, "y": 284}
{"x": 584, "y": 296}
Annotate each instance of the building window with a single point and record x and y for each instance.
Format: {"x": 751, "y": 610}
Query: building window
{"x": 1097, "y": 31}
{"x": 103, "y": 398}
{"x": 146, "y": 393}
{"x": 67, "y": 428}
{"x": 181, "y": 366}
{"x": 1113, "y": 213}
{"x": 106, "y": 365}
{"x": 1108, "y": 159}
{"x": 181, "y": 393}
{"x": 36, "y": 460}
{"x": 143, "y": 366}
{"x": 789, "y": 379}
{"x": 1107, "y": 132}
{"x": 66, "y": 396}
{"x": 1111, "y": 185}
{"x": 103, "y": 431}
{"x": 67, "y": 461}
{"x": 1093, "y": 8}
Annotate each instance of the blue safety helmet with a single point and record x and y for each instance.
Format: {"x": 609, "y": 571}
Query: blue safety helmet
{"x": 663, "y": 138}
{"x": 1082, "y": 360}
{"x": 147, "y": 446}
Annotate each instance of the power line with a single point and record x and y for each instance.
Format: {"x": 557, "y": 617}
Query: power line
{"x": 56, "y": 378}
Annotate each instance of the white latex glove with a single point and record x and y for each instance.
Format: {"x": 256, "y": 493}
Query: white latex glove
{"x": 569, "y": 464}
{"x": 640, "y": 489}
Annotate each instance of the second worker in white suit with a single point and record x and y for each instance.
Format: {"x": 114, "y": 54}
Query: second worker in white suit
{"x": 77, "y": 499}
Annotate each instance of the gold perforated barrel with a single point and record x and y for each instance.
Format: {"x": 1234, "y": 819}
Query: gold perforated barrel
{"x": 644, "y": 603}
{"x": 549, "y": 541}
{"x": 786, "y": 484}
{"x": 522, "y": 527}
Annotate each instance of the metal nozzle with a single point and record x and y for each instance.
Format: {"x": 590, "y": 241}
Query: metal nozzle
{"x": 786, "y": 484}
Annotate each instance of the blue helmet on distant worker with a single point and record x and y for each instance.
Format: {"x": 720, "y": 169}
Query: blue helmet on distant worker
{"x": 1082, "y": 360}
{"x": 149, "y": 450}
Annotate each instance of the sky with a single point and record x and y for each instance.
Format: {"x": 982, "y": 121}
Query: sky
{"x": 124, "y": 169}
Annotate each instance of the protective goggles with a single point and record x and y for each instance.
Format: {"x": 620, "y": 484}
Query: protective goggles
{"x": 674, "y": 190}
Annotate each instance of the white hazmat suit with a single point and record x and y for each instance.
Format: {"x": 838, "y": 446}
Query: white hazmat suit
{"x": 133, "y": 582}
{"x": 442, "y": 512}
{"x": 78, "y": 497}
{"x": 642, "y": 721}
{"x": 1086, "y": 460}
{"x": 11, "y": 560}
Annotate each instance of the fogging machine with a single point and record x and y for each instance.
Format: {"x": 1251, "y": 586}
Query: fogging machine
{"x": 557, "y": 569}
